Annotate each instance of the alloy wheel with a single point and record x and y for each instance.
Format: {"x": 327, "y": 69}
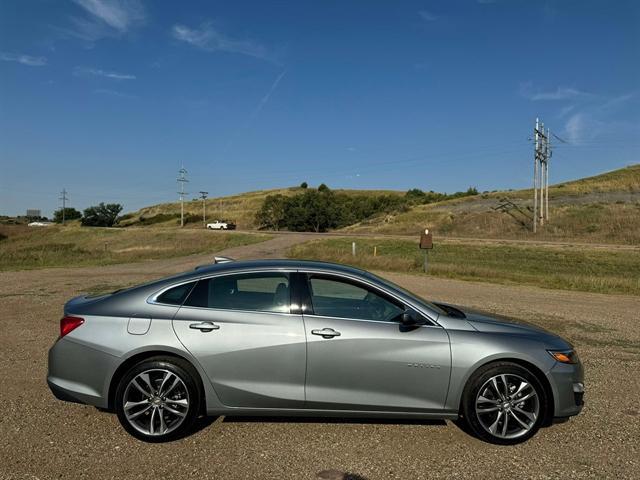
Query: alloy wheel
{"x": 156, "y": 402}
{"x": 507, "y": 406}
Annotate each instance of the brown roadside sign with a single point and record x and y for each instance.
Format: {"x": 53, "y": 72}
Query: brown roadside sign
{"x": 426, "y": 239}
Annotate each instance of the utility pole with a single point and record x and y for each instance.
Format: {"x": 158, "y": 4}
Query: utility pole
{"x": 182, "y": 179}
{"x": 203, "y": 196}
{"x": 542, "y": 154}
{"x": 65, "y": 199}
{"x": 546, "y": 174}
{"x": 535, "y": 175}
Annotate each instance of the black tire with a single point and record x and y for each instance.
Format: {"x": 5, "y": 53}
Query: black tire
{"x": 188, "y": 389}
{"x": 479, "y": 424}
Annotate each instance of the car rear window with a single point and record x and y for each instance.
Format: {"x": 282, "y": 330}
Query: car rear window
{"x": 176, "y": 295}
{"x": 262, "y": 292}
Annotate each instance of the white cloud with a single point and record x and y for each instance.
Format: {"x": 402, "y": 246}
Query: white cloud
{"x": 113, "y": 93}
{"x": 586, "y": 115}
{"x": 208, "y": 38}
{"x": 576, "y": 127}
{"x": 427, "y": 16}
{"x": 106, "y": 18}
{"x": 23, "y": 59}
{"x": 560, "y": 93}
{"x": 96, "y": 72}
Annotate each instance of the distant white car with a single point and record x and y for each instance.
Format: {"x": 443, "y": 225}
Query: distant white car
{"x": 218, "y": 225}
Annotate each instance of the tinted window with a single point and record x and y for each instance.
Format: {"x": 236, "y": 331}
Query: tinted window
{"x": 336, "y": 298}
{"x": 264, "y": 292}
{"x": 176, "y": 295}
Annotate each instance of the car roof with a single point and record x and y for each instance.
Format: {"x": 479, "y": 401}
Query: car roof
{"x": 276, "y": 264}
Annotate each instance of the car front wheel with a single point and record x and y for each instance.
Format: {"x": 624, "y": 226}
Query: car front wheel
{"x": 158, "y": 399}
{"x": 504, "y": 403}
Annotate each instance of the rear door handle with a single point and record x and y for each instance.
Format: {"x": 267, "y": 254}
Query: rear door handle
{"x": 326, "y": 333}
{"x": 204, "y": 326}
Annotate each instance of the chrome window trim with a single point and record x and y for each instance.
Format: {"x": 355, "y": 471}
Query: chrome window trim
{"x": 153, "y": 298}
{"x": 430, "y": 316}
{"x": 384, "y": 322}
{"x": 231, "y": 310}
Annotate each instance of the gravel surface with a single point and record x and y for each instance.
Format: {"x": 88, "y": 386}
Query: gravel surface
{"x": 43, "y": 438}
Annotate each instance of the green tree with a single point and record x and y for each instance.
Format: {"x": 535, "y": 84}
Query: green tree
{"x": 323, "y": 188}
{"x": 312, "y": 210}
{"x": 304, "y": 185}
{"x": 101, "y": 215}
{"x": 272, "y": 214}
{"x": 70, "y": 213}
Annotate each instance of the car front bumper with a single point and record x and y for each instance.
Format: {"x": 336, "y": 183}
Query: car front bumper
{"x": 567, "y": 383}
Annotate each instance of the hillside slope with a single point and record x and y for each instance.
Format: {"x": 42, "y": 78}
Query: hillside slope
{"x": 241, "y": 208}
{"x": 604, "y": 208}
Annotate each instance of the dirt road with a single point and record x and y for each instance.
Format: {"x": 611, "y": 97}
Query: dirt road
{"x": 42, "y": 438}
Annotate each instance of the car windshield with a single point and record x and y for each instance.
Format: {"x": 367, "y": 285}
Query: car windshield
{"x": 404, "y": 291}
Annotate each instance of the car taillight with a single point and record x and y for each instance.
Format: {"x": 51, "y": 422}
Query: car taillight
{"x": 69, "y": 323}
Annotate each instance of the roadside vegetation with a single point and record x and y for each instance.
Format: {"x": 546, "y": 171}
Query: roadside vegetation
{"x": 567, "y": 268}
{"x": 27, "y": 248}
{"x": 323, "y": 209}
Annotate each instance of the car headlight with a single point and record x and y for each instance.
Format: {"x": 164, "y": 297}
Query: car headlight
{"x": 564, "y": 356}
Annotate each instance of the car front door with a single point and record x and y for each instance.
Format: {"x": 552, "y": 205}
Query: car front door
{"x": 239, "y": 327}
{"x": 359, "y": 356}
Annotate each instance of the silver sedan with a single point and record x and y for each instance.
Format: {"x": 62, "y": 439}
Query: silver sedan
{"x": 299, "y": 338}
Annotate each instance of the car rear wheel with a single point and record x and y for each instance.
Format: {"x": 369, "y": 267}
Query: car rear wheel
{"x": 158, "y": 399}
{"x": 504, "y": 403}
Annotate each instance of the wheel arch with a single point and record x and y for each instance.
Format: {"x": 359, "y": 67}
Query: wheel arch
{"x": 533, "y": 368}
{"x": 129, "y": 362}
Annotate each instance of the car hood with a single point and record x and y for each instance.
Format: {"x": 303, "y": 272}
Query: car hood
{"x": 491, "y": 323}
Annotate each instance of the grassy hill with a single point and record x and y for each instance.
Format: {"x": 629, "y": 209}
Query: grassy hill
{"x": 604, "y": 208}
{"x": 240, "y": 208}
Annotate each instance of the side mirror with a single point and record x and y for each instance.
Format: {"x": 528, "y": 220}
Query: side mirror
{"x": 410, "y": 318}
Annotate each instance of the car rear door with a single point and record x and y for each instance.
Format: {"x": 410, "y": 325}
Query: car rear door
{"x": 241, "y": 330}
{"x": 359, "y": 357}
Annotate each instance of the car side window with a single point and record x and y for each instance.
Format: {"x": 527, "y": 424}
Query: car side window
{"x": 175, "y": 295}
{"x": 261, "y": 292}
{"x": 332, "y": 297}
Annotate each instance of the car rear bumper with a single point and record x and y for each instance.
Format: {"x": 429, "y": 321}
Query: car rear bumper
{"x": 78, "y": 373}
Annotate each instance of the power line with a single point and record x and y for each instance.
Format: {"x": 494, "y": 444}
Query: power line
{"x": 558, "y": 138}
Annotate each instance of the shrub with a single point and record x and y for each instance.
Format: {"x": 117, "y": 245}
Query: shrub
{"x": 101, "y": 215}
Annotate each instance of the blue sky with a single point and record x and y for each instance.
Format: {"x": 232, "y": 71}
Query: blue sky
{"x": 108, "y": 98}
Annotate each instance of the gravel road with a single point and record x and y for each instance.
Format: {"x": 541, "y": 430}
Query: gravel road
{"x": 42, "y": 438}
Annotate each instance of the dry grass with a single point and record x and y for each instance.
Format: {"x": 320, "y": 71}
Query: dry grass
{"x": 591, "y": 270}
{"x": 240, "y": 209}
{"x": 593, "y": 222}
{"x": 602, "y": 209}
{"x": 26, "y": 248}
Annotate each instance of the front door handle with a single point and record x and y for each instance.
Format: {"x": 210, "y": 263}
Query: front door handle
{"x": 204, "y": 326}
{"x": 326, "y": 333}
